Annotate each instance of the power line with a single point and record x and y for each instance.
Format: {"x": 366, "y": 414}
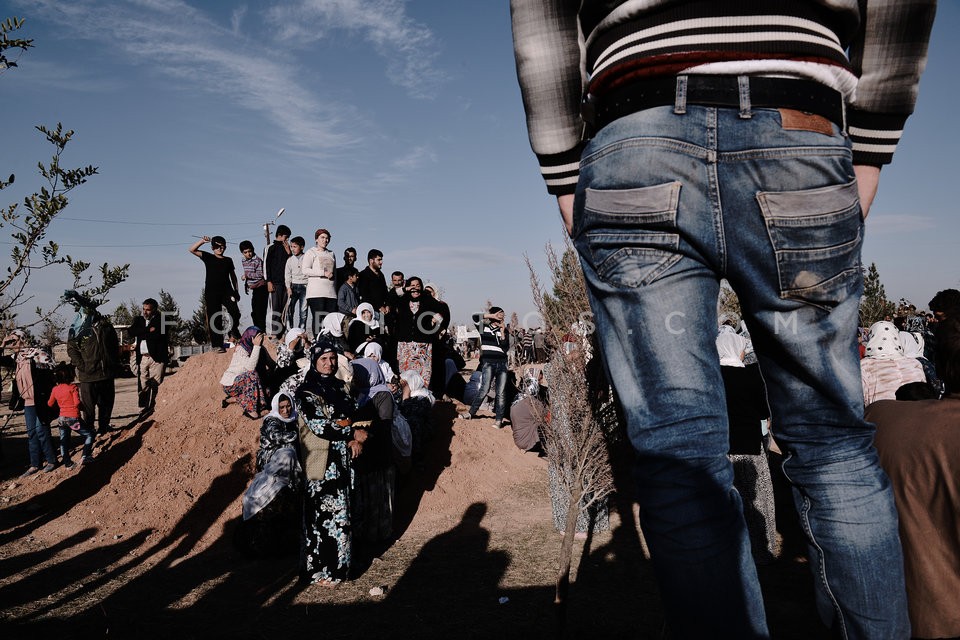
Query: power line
{"x": 164, "y": 224}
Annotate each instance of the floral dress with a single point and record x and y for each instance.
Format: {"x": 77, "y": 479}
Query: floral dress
{"x": 326, "y": 541}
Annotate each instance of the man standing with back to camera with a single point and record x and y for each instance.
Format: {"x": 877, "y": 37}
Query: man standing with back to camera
{"x": 732, "y": 140}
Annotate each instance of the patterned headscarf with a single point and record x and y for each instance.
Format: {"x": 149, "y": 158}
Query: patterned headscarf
{"x": 246, "y": 340}
{"x": 884, "y": 342}
{"x": 912, "y": 344}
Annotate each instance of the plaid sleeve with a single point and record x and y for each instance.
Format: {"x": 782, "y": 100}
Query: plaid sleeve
{"x": 888, "y": 56}
{"x": 547, "y": 47}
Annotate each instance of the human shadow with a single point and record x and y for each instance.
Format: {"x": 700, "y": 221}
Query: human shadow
{"x": 26, "y": 517}
{"x": 436, "y": 459}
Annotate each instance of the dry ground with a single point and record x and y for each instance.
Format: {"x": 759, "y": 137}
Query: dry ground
{"x": 139, "y": 544}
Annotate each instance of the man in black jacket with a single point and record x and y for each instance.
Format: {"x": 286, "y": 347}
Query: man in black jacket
{"x": 273, "y": 266}
{"x": 151, "y": 352}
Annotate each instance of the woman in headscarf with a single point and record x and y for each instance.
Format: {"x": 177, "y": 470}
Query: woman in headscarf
{"x": 416, "y": 405}
{"x": 746, "y": 410}
{"x": 884, "y": 368}
{"x": 528, "y": 412}
{"x": 330, "y": 441}
{"x": 363, "y": 329}
{"x": 913, "y": 345}
{"x": 32, "y": 384}
{"x": 291, "y": 350}
{"x": 269, "y": 505}
{"x": 241, "y": 380}
{"x": 373, "y": 494}
{"x": 331, "y": 328}
{"x": 374, "y": 351}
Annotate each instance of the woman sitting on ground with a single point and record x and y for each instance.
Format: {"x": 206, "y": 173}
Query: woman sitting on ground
{"x": 528, "y": 412}
{"x": 329, "y": 443}
{"x": 885, "y": 369}
{"x": 363, "y": 329}
{"x": 416, "y": 405}
{"x": 241, "y": 380}
{"x": 373, "y": 494}
{"x": 290, "y": 351}
{"x": 270, "y": 510}
{"x": 331, "y": 329}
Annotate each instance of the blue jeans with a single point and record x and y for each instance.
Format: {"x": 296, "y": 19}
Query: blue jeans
{"x": 39, "y": 443}
{"x": 86, "y": 433}
{"x": 298, "y": 294}
{"x": 668, "y": 204}
{"x": 490, "y": 370}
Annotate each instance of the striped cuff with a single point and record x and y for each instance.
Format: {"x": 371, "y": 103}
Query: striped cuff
{"x": 874, "y": 136}
{"x": 561, "y": 170}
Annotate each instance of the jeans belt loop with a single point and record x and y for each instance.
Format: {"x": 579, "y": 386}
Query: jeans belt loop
{"x": 743, "y": 84}
{"x": 680, "y": 104}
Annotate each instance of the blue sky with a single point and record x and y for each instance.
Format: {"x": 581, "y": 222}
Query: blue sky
{"x": 396, "y": 125}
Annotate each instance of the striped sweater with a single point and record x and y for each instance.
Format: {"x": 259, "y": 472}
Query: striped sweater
{"x": 493, "y": 342}
{"x": 564, "y": 49}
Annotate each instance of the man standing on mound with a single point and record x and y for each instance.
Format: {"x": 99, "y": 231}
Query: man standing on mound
{"x": 494, "y": 343}
{"x": 735, "y": 140}
{"x": 151, "y": 352}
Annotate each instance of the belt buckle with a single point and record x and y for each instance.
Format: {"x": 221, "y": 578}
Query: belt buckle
{"x": 588, "y": 113}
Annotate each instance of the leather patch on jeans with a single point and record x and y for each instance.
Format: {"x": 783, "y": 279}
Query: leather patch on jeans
{"x": 794, "y": 120}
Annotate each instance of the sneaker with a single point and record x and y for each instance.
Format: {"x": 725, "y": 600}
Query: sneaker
{"x": 85, "y": 460}
{"x": 69, "y": 464}
{"x": 29, "y": 472}
{"x": 466, "y": 416}
{"x": 50, "y": 467}
{"x": 221, "y": 350}
{"x": 498, "y": 424}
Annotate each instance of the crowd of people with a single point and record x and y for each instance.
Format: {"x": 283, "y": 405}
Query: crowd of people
{"x": 359, "y": 368}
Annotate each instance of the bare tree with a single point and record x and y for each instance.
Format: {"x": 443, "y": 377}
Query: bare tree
{"x": 582, "y": 420}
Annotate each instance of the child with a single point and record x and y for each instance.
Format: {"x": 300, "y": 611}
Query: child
{"x": 296, "y": 284}
{"x": 66, "y": 395}
{"x": 254, "y": 283}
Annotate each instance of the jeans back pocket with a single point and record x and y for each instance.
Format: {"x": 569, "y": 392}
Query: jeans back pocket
{"x": 816, "y": 235}
{"x": 630, "y": 235}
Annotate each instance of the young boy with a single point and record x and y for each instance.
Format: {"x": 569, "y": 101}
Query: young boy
{"x": 67, "y": 396}
{"x": 347, "y": 299}
{"x": 296, "y": 283}
{"x": 254, "y": 283}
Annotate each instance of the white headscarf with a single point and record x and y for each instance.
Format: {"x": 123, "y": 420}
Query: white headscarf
{"x": 292, "y": 334}
{"x": 275, "y": 408}
{"x": 884, "y": 342}
{"x": 417, "y": 389}
{"x": 912, "y": 343}
{"x": 730, "y": 346}
{"x": 366, "y": 306}
{"x": 372, "y": 350}
{"x": 332, "y": 325}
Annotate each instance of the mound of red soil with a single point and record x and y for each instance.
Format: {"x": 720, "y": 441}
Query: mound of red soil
{"x": 192, "y": 460}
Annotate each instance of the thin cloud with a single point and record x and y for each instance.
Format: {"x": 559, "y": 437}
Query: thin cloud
{"x": 410, "y": 49}
{"x": 887, "y": 223}
{"x": 404, "y": 166}
{"x": 179, "y": 41}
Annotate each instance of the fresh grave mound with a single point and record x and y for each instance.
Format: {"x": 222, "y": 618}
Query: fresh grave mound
{"x": 181, "y": 472}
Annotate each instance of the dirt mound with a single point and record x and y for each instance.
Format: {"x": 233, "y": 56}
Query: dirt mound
{"x": 191, "y": 460}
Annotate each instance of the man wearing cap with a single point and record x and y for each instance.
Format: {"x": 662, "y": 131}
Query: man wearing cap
{"x": 690, "y": 141}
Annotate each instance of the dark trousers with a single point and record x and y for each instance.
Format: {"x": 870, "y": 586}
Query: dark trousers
{"x": 319, "y": 308}
{"x": 96, "y": 399}
{"x": 217, "y": 325}
{"x": 278, "y": 300}
{"x": 258, "y": 307}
